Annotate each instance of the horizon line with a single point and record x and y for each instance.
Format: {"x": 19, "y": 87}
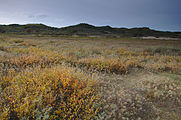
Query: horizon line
{"x": 91, "y": 25}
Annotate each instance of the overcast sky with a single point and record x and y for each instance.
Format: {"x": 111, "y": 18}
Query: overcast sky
{"x": 156, "y": 14}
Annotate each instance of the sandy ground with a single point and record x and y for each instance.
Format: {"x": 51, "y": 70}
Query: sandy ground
{"x": 160, "y": 38}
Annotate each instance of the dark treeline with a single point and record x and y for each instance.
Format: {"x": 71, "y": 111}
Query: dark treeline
{"x": 84, "y": 29}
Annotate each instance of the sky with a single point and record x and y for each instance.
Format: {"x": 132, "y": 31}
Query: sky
{"x": 156, "y": 14}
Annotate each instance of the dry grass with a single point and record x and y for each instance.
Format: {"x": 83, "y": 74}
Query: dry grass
{"x": 41, "y": 78}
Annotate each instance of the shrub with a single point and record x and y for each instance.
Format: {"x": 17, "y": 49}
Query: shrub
{"x": 47, "y": 93}
{"x": 119, "y": 66}
{"x": 164, "y": 51}
{"x": 125, "y": 52}
{"x": 39, "y": 54}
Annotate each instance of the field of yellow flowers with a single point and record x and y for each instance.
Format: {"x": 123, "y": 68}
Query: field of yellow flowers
{"x": 63, "y": 77}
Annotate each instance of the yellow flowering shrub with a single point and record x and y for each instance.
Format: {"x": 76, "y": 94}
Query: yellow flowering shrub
{"x": 119, "y": 66}
{"x": 48, "y": 54}
{"x": 122, "y": 51}
{"x": 48, "y": 93}
{"x": 162, "y": 63}
{"x": 34, "y": 56}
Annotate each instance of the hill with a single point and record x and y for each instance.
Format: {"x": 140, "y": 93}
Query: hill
{"x": 84, "y": 29}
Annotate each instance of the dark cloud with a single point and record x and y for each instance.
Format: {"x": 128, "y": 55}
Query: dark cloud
{"x": 156, "y": 14}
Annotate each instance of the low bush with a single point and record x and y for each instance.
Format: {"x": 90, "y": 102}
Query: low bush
{"x": 53, "y": 93}
{"x": 119, "y": 66}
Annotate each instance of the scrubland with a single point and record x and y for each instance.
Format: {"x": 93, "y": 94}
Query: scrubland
{"x": 63, "y": 77}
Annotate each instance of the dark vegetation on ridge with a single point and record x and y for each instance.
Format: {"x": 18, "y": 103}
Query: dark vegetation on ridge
{"x": 84, "y": 29}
